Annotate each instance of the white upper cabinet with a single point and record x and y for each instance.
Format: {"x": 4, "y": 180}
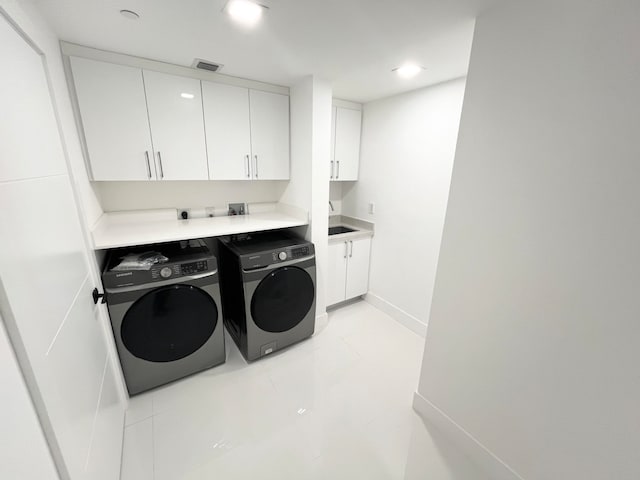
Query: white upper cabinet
{"x": 114, "y": 119}
{"x": 269, "y": 113}
{"x": 346, "y": 147}
{"x": 177, "y": 126}
{"x": 228, "y": 131}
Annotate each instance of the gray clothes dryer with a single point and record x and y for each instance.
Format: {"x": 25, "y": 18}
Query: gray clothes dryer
{"x": 268, "y": 283}
{"x": 166, "y": 320}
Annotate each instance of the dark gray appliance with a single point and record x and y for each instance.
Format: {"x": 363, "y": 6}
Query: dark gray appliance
{"x": 268, "y": 283}
{"x": 166, "y": 320}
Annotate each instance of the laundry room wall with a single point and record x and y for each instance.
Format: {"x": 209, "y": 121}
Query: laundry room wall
{"x": 407, "y": 149}
{"x": 531, "y": 358}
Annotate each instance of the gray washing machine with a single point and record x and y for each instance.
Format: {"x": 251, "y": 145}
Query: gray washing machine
{"x": 167, "y": 321}
{"x": 268, "y": 283}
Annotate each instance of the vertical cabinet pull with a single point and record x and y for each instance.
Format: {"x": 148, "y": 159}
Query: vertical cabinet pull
{"x": 346, "y": 249}
{"x": 331, "y": 175}
{"x": 248, "y": 166}
{"x": 146, "y": 155}
{"x": 351, "y": 253}
{"x": 256, "y": 170}
{"x": 160, "y": 163}
{"x": 337, "y": 169}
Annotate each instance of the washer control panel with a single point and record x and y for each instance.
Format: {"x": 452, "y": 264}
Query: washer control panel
{"x": 178, "y": 270}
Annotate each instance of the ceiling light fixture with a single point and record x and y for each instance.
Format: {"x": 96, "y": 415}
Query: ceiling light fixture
{"x": 130, "y": 14}
{"x": 189, "y": 96}
{"x": 245, "y": 12}
{"x": 408, "y": 70}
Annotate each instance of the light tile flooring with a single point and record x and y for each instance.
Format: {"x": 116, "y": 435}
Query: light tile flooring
{"x": 336, "y": 406}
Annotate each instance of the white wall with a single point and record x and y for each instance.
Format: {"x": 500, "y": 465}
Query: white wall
{"x": 335, "y": 195}
{"x": 116, "y": 196}
{"x": 20, "y": 424}
{"x": 533, "y": 339}
{"x": 309, "y": 184}
{"x": 407, "y": 149}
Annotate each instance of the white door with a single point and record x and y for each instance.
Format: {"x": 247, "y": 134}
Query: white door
{"x": 358, "y": 267}
{"x": 332, "y": 160}
{"x": 45, "y": 281}
{"x": 269, "y": 135}
{"x": 347, "y": 153}
{"x": 177, "y": 126}
{"x": 114, "y": 117}
{"x": 228, "y": 131}
{"x": 337, "y": 272}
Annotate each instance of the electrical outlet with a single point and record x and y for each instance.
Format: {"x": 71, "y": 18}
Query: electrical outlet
{"x": 236, "y": 209}
{"x": 184, "y": 213}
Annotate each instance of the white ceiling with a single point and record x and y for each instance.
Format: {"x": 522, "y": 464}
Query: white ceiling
{"x": 352, "y": 43}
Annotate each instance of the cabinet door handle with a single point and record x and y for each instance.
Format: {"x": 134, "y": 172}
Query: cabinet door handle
{"x": 346, "y": 249}
{"x": 331, "y": 174}
{"x": 337, "y": 168}
{"x": 351, "y": 253}
{"x": 256, "y": 169}
{"x": 248, "y": 166}
{"x": 146, "y": 155}
{"x": 160, "y": 163}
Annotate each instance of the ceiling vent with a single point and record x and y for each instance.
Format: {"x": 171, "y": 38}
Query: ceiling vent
{"x": 206, "y": 65}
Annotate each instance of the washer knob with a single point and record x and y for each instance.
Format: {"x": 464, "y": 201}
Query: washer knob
{"x": 165, "y": 272}
{"x": 282, "y": 255}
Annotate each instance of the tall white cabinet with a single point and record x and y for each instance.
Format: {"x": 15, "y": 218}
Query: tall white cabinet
{"x": 140, "y": 124}
{"x": 345, "y": 143}
{"x": 247, "y": 133}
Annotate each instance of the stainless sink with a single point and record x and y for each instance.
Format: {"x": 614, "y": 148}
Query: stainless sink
{"x": 340, "y": 229}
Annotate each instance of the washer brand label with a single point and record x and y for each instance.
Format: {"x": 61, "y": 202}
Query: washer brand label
{"x": 127, "y": 274}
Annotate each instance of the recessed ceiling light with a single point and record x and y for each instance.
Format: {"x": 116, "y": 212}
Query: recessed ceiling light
{"x": 408, "y": 70}
{"x": 130, "y": 14}
{"x": 189, "y": 96}
{"x": 245, "y": 12}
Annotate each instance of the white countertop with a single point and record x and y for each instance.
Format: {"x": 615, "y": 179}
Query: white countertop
{"x": 362, "y": 228}
{"x": 122, "y": 229}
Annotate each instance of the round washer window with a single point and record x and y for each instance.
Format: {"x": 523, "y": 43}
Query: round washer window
{"x": 282, "y": 299}
{"x": 169, "y": 323}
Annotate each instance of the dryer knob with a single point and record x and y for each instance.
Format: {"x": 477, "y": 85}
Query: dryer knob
{"x": 165, "y": 272}
{"x": 282, "y": 255}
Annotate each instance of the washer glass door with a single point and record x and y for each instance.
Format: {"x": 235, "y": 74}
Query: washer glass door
{"x": 169, "y": 323}
{"x": 282, "y": 299}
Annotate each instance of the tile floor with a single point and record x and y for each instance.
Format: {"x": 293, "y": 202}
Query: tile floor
{"x": 336, "y": 406}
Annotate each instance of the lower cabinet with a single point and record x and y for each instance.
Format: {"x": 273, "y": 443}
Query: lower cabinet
{"x": 348, "y": 269}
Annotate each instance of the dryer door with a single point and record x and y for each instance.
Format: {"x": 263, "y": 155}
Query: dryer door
{"x": 169, "y": 323}
{"x": 282, "y": 299}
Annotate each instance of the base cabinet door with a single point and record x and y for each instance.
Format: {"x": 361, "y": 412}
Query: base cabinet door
{"x": 358, "y": 267}
{"x": 337, "y": 273}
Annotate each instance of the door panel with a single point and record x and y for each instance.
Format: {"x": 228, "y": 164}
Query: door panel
{"x": 269, "y": 135}
{"x": 113, "y": 106}
{"x": 177, "y": 126}
{"x": 347, "y": 148}
{"x": 27, "y": 123}
{"x": 358, "y": 267}
{"x": 333, "y": 143}
{"x": 227, "y": 125}
{"x": 46, "y": 298}
{"x": 337, "y": 273}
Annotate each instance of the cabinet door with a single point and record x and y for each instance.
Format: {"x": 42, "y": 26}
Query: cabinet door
{"x": 333, "y": 144}
{"x": 269, "y": 135}
{"x": 114, "y": 118}
{"x": 177, "y": 126}
{"x": 358, "y": 267}
{"x": 227, "y": 127}
{"x": 347, "y": 143}
{"x": 337, "y": 272}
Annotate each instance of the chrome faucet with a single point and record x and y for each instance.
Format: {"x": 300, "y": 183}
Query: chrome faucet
{"x": 331, "y": 205}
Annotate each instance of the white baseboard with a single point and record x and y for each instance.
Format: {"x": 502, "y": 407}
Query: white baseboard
{"x": 321, "y": 322}
{"x": 495, "y": 468}
{"x": 402, "y": 317}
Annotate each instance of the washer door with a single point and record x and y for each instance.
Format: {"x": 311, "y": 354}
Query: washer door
{"x": 169, "y": 323}
{"x": 282, "y": 299}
